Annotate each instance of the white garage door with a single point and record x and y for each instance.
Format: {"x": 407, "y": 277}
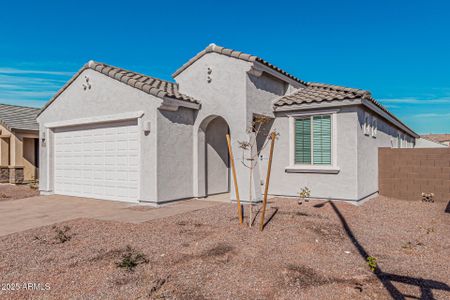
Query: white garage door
{"x": 99, "y": 161}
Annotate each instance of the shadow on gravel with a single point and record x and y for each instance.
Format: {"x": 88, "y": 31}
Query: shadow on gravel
{"x": 447, "y": 209}
{"x": 426, "y": 286}
{"x": 275, "y": 210}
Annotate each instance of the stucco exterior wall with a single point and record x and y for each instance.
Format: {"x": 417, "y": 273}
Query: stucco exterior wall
{"x": 174, "y": 154}
{"x": 5, "y": 146}
{"x": 261, "y": 92}
{"x": 29, "y": 159}
{"x": 106, "y": 97}
{"x": 217, "y": 167}
{"x": 225, "y": 96}
{"x": 368, "y": 145}
{"x": 18, "y": 151}
{"x": 342, "y": 185}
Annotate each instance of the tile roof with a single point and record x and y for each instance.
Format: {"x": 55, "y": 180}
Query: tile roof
{"x": 150, "y": 85}
{"x": 18, "y": 117}
{"x": 236, "y": 54}
{"x": 444, "y": 137}
{"x": 320, "y": 92}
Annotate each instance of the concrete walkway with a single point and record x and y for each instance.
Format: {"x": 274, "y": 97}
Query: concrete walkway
{"x": 23, "y": 214}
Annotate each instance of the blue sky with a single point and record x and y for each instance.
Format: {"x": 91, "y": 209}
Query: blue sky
{"x": 399, "y": 50}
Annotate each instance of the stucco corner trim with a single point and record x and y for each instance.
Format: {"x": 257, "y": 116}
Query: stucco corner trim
{"x": 313, "y": 169}
{"x": 97, "y": 119}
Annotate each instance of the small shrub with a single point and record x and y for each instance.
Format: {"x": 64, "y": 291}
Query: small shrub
{"x": 428, "y": 197}
{"x": 131, "y": 259}
{"x": 304, "y": 194}
{"x": 372, "y": 262}
{"x": 62, "y": 235}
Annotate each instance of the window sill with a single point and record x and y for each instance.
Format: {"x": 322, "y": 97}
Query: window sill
{"x": 313, "y": 169}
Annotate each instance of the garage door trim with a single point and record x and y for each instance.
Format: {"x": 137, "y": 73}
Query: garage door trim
{"x": 51, "y": 127}
{"x": 96, "y": 119}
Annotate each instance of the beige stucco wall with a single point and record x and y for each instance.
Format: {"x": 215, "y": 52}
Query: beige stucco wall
{"x": 18, "y": 151}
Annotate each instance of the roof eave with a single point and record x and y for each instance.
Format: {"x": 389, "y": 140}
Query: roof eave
{"x": 389, "y": 116}
{"x": 346, "y": 102}
{"x": 91, "y": 65}
{"x": 317, "y": 105}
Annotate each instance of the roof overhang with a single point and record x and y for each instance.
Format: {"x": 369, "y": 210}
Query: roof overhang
{"x": 316, "y": 105}
{"x": 388, "y": 116}
{"x": 258, "y": 69}
{"x": 170, "y": 104}
{"x": 348, "y": 102}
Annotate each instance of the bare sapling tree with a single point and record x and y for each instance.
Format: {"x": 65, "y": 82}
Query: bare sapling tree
{"x": 250, "y": 154}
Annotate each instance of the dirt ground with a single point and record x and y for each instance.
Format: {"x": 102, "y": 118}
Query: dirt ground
{"x": 12, "y": 192}
{"x": 316, "y": 250}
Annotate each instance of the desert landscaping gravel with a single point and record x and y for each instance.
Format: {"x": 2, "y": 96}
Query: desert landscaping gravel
{"x": 316, "y": 250}
{"x": 12, "y": 192}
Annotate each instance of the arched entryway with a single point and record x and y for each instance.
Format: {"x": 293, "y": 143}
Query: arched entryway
{"x": 213, "y": 165}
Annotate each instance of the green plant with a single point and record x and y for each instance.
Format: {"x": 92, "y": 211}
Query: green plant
{"x": 304, "y": 194}
{"x": 131, "y": 259}
{"x": 62, "y": 235}
{"x": 372, "y": 262}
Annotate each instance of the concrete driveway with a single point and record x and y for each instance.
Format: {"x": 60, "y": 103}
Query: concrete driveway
{"x": 23, "y": 214}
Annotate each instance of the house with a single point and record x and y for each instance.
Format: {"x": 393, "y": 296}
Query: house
{"x": 19, "y": 145}
{"x": 110, "y": 133}
{"x": 425, "y": 141}
{"x": 443, "y": 139}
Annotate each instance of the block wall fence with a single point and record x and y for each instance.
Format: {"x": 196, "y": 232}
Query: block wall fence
{"x": 406, "y": 173}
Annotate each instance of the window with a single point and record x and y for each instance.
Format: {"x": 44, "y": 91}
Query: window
{"x": 374, "y": 127}
{"x": 313, "y": 140}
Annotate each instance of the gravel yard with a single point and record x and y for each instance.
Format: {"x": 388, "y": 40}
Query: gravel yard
{"x": 316, "y": 250}
{"x": 12, "y": 192}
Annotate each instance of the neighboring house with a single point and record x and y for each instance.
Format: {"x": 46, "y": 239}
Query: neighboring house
{"x": 424, "y": 141}
{"x": 19, "y": 144}
{"x": 114, "y": 134}
{"x": 439, "y": 138}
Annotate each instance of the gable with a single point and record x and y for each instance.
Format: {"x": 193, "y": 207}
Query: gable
{"x": 104, "y": 97}
{"x": 153, "y": 86}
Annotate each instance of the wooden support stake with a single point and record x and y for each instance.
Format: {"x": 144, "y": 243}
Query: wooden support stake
{"x": 266, "y": 188}
{"x": 233, "y": 170}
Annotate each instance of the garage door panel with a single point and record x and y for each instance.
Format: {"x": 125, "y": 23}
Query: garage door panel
{"x": 98, "y": 161}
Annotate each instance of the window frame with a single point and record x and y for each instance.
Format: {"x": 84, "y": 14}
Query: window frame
{"x": 312, "y": 168}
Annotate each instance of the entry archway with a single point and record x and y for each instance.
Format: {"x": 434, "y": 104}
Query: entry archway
{"x": 213, "y": 165}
